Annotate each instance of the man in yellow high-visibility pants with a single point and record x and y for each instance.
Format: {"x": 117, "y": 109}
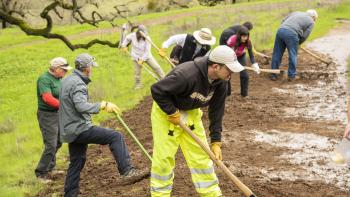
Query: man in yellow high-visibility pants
{"x": 179, "y": 96}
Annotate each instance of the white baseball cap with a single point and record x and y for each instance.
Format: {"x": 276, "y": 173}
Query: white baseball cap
{"x": 60, "y": 62}
{"x": 223, "y": 54}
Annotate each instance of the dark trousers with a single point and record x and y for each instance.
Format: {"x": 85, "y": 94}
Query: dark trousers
{"x": 176, "y": 52}
{"x": 244, "y": 78}
{"x": 77, "y": 155}
{"x": 48, "y": 123}
{"x": 286, "y": 39}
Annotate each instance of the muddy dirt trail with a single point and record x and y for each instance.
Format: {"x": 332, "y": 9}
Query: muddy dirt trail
{"x": 277, "y": 141}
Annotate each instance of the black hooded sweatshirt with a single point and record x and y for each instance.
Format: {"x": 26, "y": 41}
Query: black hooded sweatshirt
{"x": 187, "y": 87}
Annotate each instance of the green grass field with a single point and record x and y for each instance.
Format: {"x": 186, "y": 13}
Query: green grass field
{"x": 23, "y": 58}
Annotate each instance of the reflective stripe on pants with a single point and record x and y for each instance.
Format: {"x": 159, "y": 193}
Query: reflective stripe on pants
{"x": 164, "y": 150}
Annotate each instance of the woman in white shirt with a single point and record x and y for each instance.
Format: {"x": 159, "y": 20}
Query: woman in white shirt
{"x": 141, "y": 53}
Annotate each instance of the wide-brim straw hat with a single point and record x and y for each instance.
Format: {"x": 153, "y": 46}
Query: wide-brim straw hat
{"x": 204, "y": 36}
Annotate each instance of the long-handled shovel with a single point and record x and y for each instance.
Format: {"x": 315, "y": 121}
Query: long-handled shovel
{"x": 155, "y": 46}
{"x": 316, "y": 56}
{"x": 247, "y": 192}
{"x": 133, "y": 136}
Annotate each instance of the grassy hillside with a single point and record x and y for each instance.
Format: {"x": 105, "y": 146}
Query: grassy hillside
{"x": 23, "y": 58}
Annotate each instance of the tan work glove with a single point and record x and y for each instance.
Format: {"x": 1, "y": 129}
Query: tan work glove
{"x": 265, "y": 56}
{"x": 216, "y": 148}
{"x": 124, "y": 49}
{"x": 162, "y": 52}
{"x": 140, "y": 62}
{"x": 110, "y": 107}
{"x": 175, "y": 117}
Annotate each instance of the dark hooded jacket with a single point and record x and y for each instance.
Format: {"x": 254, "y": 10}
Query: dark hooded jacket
{"x": 187, "y": 87}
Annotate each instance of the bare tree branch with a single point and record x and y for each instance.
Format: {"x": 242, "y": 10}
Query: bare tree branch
{"x": 174, "y": 2}
{"x": 9, "y": 8}
{"x": 210, "y": 2}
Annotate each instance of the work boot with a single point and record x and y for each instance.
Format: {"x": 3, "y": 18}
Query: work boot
{"x": 245, "y": 98}
{"x": 45, "y": 179}
{"x": 134, "y": 175}
{"x": 138, "y": 86}
{"x": 273, "y": 77}
{"x": 56, "y": 172}
{"x": 291, "y": 79}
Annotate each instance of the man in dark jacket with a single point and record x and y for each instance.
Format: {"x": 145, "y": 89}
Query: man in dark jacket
{"x": 188, "y": 47}
{"x": 178, "y": 97}
{"x": 294, "y": 30}
{"x": 78, "y": 131}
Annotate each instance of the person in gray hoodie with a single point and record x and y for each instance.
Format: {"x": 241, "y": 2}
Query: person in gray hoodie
{"x": 294, "y": 30}
{"x": 78, "y": 131}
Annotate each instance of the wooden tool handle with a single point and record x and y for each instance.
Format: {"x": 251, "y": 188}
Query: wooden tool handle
{"x": 155, "y": 46}
{"x": 275, "y": 71}
{"x": 315, "y": 56}
{"x": 234, "y": 179}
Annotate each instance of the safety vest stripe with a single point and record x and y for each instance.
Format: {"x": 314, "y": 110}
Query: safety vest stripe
{"x": 202, "y": 171}
{"x": 162, "y": 178}
{"x": 162, "y": 189}
{"x": 205, "y": 184}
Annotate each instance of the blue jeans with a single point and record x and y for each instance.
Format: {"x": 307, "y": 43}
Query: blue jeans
{"x": 286, "y": 39}
{"x": 77, "y": 155}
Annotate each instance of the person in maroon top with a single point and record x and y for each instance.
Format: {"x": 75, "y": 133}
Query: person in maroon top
{"x": 239, "y": 43}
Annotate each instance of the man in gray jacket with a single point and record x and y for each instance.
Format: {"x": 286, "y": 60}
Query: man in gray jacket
{"x": 294, "y": 30}
{"x": 77, "y": 129}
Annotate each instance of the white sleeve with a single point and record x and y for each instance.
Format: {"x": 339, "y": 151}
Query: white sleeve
{"x": 147, "y": 52}
{"x": 127, "y": 40}
{"x": 178, "y": 39}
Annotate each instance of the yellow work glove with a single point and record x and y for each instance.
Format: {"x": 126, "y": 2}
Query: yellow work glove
{"x": 162, "y": 52}
{"x": 140, "y": 62}
{"x": 216, "y": 148}
{"x": 174, "y": 118}
{"x": 110, "y": 107}
{"x": 124, "y": 49}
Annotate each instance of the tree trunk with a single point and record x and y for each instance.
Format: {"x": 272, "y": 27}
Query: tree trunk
{"x": 3, "y": 24}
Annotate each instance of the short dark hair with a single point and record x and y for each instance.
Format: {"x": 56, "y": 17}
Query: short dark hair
{"x": 248, "y": 25}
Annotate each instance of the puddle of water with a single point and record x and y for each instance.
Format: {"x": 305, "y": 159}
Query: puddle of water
{"x": 323, "y": 101}
{"x": 312, "y": 155}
